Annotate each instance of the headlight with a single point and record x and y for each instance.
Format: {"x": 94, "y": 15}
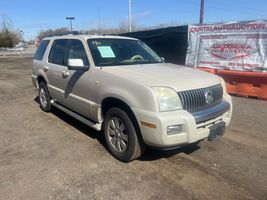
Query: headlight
{"x": 223, "y": 86}
{"x": 168, "y": 99}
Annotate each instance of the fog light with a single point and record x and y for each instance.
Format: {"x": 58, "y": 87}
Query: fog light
{"x": 174, "y": 129}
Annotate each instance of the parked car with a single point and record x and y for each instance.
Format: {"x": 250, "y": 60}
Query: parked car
{"x": 119, "y": 85}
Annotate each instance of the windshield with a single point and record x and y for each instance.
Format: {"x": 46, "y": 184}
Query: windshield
{"x": 111, "y": 52}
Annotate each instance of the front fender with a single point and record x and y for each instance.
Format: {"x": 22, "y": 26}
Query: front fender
{"x": 135, "y": 95}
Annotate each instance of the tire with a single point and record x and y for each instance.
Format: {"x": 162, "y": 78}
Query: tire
{"x": 44, "y": 97}
{"x": 122, "y": 136}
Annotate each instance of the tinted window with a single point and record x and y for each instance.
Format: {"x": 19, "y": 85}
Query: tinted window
{"x": 76, "y": 51}
{"x": 58, "y": 52}
{"x": 41, "y": 50}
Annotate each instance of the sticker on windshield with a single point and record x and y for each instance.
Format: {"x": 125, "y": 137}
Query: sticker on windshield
{"x": 106, "y": 52}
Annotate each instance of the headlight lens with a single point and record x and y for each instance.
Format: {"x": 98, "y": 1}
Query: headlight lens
{"x": 223, "y": 86}
{"x": 168, "y": 99}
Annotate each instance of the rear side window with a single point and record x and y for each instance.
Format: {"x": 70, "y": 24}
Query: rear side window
{"x": 41, "y": 50}
{"x": 58, "y": 52}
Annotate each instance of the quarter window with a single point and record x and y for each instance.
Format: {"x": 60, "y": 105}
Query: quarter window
{"x": 41, "y": 50}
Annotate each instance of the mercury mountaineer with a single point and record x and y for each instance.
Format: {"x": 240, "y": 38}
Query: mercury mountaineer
{"x": 122, "y": 87}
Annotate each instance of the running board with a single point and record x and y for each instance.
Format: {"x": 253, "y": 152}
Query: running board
{"x": 95, "y": 126}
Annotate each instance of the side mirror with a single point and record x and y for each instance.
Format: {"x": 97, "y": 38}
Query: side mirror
{"x": 76, "y": 64}
{"x": 163, "y": 59}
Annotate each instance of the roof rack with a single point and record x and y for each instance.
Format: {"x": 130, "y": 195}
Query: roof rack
{"x": 65, "y": 33}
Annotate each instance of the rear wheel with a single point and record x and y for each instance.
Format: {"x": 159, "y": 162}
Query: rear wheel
{"x": 44, "y": 97}
{"x": 121, "y": 135}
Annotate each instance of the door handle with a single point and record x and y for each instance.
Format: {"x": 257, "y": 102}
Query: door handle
{"x": 65, "y": 73}
{"x": 46, "y": 68}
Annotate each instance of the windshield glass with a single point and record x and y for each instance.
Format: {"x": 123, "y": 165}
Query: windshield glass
{"x": 111, "y": 52}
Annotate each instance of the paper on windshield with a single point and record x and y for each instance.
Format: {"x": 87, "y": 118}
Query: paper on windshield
{"x": 106, "y": 52}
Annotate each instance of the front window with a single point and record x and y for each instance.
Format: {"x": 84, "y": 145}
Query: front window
{"x": 112, "y": 52}
{"x": 76, "y": 51}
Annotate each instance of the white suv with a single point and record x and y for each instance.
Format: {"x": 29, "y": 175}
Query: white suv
{"x": 119, "y": 85}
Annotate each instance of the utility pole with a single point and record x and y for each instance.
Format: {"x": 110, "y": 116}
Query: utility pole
{"x": 201, "y": 16}
{"x": 130, "y": 15}
{"x": 21, "y": 35}
{"x": 99, "y": 30}
{"x": 70, "y": 18}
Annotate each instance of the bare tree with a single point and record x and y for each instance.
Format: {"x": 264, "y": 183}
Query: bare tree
{"x": 121, "y": 28}
{"x": 8, "y": 36}
{"x": 49, "y": 32}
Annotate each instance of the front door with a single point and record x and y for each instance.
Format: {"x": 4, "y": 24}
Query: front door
{"x": 77, "y": 84}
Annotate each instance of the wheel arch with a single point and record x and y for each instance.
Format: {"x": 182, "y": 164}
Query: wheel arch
{"x": 41, "y": 78}
{"x": 110, "y": 102}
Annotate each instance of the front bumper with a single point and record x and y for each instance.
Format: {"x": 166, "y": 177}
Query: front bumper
{"x": 195, "y": 126}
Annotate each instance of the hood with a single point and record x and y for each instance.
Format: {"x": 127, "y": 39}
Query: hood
{"x": 178, "y": 77}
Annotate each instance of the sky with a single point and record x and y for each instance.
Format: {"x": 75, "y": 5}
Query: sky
{"x": 32, "y": 16}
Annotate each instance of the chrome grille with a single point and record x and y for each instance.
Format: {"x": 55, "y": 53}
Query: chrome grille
{"x": 198, "y": 99}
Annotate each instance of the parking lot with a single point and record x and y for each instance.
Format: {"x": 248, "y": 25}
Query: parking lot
{"x": 53, "y": 156}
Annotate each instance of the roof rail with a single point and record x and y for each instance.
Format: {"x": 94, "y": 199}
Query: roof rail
{"x": 65, "y": 33}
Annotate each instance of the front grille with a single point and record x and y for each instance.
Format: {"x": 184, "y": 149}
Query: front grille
{"x": 198, "y": 99}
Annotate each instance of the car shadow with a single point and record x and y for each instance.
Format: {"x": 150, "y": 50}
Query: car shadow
{"x": 85, "y": 129}
{"x": 92, "y": 133}
{"x": 155, "y": 154}
{"x": 150, "y": 153}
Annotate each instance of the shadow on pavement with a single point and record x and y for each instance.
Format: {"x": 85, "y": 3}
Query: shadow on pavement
{"x": 150, "y": 153}
{"x": 78, "y": 125}
{"x": 155, "y": 154}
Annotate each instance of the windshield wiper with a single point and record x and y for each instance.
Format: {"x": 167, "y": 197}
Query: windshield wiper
{"x": 145, "y": 62}
{"x": 110, "y": 63}
{"x": 128, "y": 62}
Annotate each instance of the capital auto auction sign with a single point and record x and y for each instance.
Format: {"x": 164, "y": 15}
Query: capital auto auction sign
{"x": 234, "y": 46}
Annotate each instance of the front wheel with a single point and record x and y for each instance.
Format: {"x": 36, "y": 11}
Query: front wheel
{"x": 121, "y": 135}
